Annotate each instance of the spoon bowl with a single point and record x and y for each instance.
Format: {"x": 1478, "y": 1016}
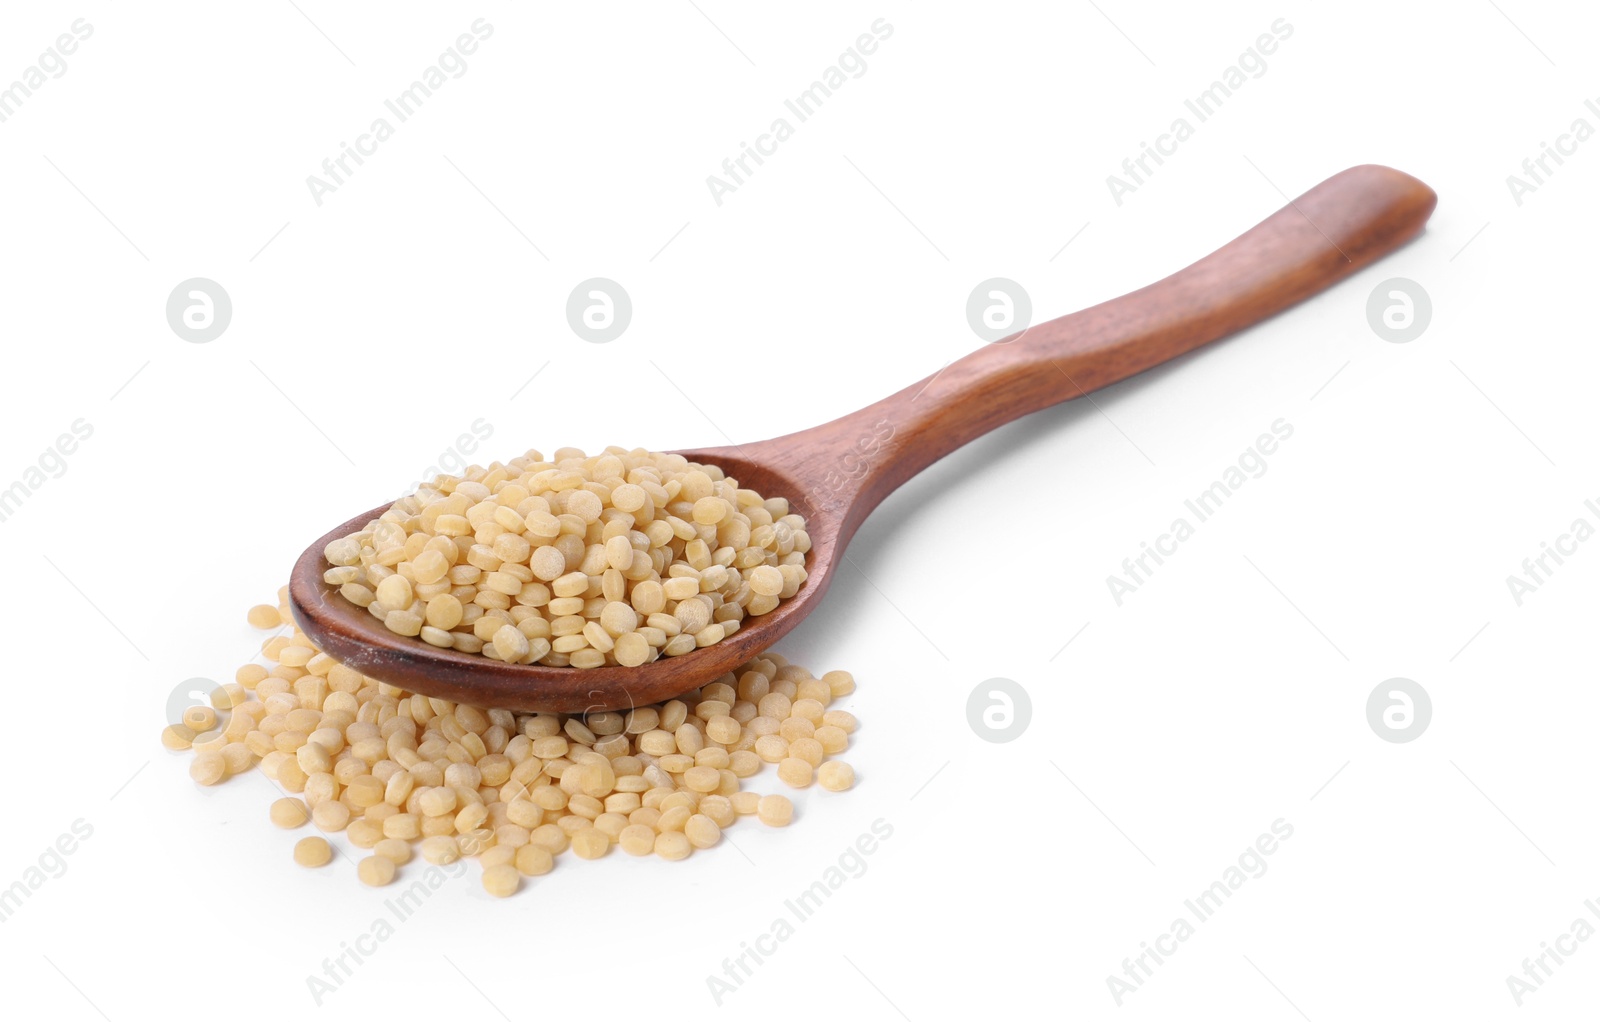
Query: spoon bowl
{"x": 836, "y": 473}
{"x": 355, "y": 638}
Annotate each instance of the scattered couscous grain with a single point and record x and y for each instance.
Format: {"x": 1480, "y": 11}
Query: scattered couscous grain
{"x": 394, "y": 849}
{"x": 403, "y": 774}
{"x": 775, "y": 810}
{"x": 497, "y": 855}
{"x": 330, "y": 815}
{"x": 673, "y": 845}
{"x": 199, "y": 719}
{"x": 376, "y": 871}
{"x": 208, "y": 768}
{"x": 440, "y": 849}
{"x": 590, "y": 843}
{"x": 836, "y": 775}
{"x": 288, "y": 813}
{"x": 637, "y": 839}
{"x": 313, "y": 851}
{"x": 502, "y": 881}
{"x": 795, "y": 772}
{"x": 534, "y": 860}
{"x": 701, "y": 831}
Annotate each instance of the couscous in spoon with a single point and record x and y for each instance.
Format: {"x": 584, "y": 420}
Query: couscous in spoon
{"x": 837, "y": 473}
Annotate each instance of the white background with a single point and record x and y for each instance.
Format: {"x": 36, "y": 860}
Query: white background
{"x": 1229, "y": 692}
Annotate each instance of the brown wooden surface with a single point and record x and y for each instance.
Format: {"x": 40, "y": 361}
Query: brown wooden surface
{"x": 836, "y": 473}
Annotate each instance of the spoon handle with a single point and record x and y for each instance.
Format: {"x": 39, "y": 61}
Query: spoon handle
{"x": 1333, "y": 230}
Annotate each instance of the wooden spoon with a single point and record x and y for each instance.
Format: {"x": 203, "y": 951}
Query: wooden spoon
{"x": 836, "y": 473}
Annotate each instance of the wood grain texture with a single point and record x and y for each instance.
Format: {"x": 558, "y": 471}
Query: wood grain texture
{"x": 837, "y": 473}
